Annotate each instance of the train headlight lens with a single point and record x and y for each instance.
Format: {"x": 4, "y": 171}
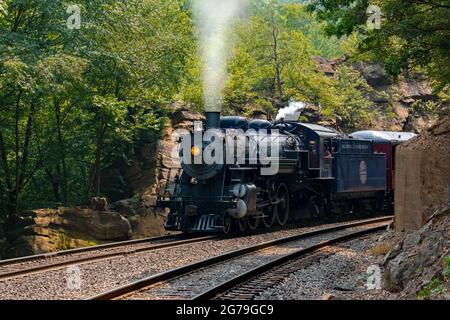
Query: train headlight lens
{"x": 196, "y": 151}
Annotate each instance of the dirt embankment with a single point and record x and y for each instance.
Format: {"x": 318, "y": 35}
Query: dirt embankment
{"x": 422, "y": 176}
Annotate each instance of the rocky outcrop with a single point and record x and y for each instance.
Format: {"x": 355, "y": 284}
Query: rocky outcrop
{"x": 48, "y": 230}
{"x": 148, "y": 170}
{"x": 99, "y": 204}
{"x": 396, "y": 103}
{"x": 422, "y": 178}
{"x": 328, "y": 67}
{"x": 144, "y": 220}
{"x": 166, "y": 165}
{"x": 375, "y": 75}
{"x": 149, "y": 173}
{"x": 139, "y": 174}
{"x": 312, "y": 114}
{"x": 419, "y": 265}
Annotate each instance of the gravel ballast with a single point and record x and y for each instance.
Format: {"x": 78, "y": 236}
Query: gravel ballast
{"x": 335, "y": 273}
{"x": 99, "y": 276}
{"x": 192, "y": 284}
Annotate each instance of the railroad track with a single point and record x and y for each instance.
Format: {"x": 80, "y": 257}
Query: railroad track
{"x": 247, "y": 286}
{"x": 43, "y": 262}
{"x": 214, "y": 276}
{"x": 34, "y": 264}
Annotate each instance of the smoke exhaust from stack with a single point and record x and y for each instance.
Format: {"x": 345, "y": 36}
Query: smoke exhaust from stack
{"x": 214, "y": 19}
{"x": 291, "y": 112}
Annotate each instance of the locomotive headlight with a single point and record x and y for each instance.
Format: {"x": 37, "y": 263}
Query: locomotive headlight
{"x": 239, "y": 190}
{"x": 196, "y": 151}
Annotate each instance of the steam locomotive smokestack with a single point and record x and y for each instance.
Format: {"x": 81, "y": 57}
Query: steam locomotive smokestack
{"x": 214, "y": 19}
{"x": 212, "y": 120}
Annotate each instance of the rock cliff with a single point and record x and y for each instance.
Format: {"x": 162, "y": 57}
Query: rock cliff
{"x": 418, "y": 267}
{"x": 404, "y": 104}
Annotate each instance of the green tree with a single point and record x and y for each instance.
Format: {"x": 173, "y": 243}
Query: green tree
{"x": 413, "y": 33}
{"x": 274, "y": 62}
{"x": 354, "y": 106}
{"x": 270, "y": 42}
{"x": 74, "y": 101}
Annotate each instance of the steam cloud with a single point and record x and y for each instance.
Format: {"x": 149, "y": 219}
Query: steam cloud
{"x": 214, "y": 19}
{"x": 291, "y": 112}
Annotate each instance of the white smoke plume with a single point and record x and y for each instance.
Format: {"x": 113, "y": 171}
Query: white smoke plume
{"x": 291, "y": 112}
{"x": 215, "y": 18}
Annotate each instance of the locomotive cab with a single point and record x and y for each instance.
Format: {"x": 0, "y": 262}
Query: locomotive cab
{"x": 316, "y": 141}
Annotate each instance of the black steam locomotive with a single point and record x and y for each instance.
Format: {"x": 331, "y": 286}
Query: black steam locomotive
{"x": 317, "y": 171}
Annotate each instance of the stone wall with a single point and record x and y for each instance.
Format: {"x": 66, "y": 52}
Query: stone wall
{"x": 422, "y": 178}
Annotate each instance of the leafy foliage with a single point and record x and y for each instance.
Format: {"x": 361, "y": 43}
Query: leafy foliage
{"x": 413, "y": 33}
{"x": 435, "y": 288}
{"x": 437, "y": 285}
{"x": 423, "y": 108}
{"x": 446, "y": 272}
{"x": 75, "y": 101}
{"x": 280, "y": 41}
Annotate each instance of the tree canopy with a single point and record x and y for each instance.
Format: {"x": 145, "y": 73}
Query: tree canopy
{"x": 74, "y": 101}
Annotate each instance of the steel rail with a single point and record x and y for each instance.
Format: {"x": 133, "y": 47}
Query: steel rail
{"x": 173, "y": 273}
{"x": 84, "y": 259}
{"x": 236, "y": 281}
{"x": 43, "y": 256}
